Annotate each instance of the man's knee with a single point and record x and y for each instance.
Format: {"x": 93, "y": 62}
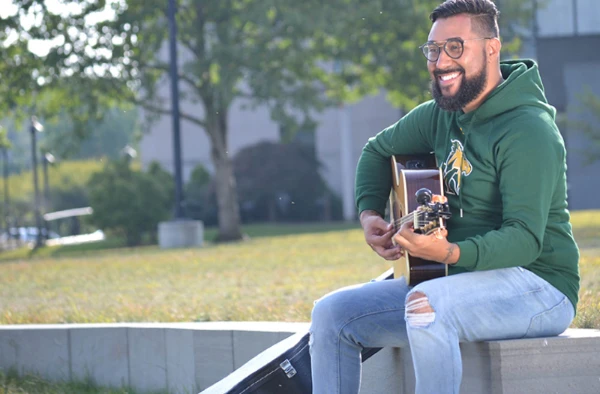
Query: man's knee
{"x": 419, "y": 312}
{"x": 326, "y": 311}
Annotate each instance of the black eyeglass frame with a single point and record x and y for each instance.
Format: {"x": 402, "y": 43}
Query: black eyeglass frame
{"x": 445, "y": 43}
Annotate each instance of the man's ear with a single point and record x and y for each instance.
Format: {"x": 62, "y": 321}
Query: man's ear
{"x": 494, "y": 46}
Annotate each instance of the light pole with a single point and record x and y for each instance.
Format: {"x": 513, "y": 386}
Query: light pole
{"x": 35, "y": 128}
{"x": 6, "y": 195}
{"x": 128, "y": 153}
{"x": 175, "y": 109}
{"x": 47, "y": 158}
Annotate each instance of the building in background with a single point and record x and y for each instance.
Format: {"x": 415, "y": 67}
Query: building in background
{"x": 565, "y": 40}
{"x": 337, "y": 140}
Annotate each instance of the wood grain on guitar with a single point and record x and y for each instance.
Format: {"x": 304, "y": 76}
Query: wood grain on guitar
{"x": 417, "y": 195}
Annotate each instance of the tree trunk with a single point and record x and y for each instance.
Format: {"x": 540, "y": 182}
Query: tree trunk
{"x": 228, "y": 208}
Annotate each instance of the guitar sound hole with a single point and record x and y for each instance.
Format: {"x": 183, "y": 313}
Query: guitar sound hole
{"x": 415, "y": 164}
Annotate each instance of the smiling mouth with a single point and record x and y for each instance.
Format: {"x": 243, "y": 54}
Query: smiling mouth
{"x": 445, "y": 78}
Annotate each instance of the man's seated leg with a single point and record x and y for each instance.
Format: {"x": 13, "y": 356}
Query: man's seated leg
{"x": 476, "y": 306}
{"x": 348, "y": 320}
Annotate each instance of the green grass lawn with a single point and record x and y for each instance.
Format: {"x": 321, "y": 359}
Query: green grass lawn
{"x": 264, "y": 278}
{"x": 275, "y": 277}
{"x": 11, "y": 383}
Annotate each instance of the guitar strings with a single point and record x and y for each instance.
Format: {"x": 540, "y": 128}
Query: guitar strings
{"x": 407, "y": 218}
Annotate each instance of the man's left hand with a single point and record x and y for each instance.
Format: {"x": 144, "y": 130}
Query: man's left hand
{"x": 431, "y": 247}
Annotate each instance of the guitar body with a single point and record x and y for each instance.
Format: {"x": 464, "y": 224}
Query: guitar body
{"x": 409, "y": 174}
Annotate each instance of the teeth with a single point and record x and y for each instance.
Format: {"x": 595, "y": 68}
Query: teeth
{"x": 448, "y": 77}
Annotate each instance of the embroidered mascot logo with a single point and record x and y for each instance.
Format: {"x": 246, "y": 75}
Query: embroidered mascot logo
{"x": 455, "y": 167}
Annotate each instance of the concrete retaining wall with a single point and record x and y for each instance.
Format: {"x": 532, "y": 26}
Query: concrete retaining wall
{"x": 191, "y": 357}
{"x": 176, "y": 357}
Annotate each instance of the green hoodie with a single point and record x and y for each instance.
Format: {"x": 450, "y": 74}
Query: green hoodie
{"x": 509, "y": 199}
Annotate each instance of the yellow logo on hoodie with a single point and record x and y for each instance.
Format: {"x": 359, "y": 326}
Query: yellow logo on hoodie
{"x": 455, "y": 167}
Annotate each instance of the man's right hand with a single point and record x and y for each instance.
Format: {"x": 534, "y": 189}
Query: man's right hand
{"x": 378, "y": 234}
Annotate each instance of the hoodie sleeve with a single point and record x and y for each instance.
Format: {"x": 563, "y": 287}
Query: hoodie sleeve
{"x": 529, "y": 163}
{"x": 410, "y": 135}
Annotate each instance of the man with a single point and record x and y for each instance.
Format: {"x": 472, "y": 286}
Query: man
{"x": 513, "y": 263}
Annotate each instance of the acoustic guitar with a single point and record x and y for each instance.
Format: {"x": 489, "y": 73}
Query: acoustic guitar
{"x": 417, "y": 196}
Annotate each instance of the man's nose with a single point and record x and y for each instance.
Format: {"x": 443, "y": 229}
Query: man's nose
{"x": 443, "y": 59}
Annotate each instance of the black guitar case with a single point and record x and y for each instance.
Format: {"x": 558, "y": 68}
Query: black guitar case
{"x": 284, "y": 368}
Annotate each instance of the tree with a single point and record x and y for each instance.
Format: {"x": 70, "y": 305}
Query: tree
{"x": 291, "y": 187}
{"x": 126, "y": 202}
{"x": 296, "y": 57}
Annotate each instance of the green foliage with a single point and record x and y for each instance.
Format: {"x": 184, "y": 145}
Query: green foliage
{"x": 67, "y": 184}
{"x": 295, "y": 57}
{"x": 285, "y": 187}
{"x": 200, "y": 176}
{"x": 62, "y": 175}
{"x": 200, "y": 200}
{"x": 278, "y": 48}
{"x": 127, "y": 203}
{"x": 164, "y": 179}
{"x": 98, "y": 138}
{"x": 18, "y": 70}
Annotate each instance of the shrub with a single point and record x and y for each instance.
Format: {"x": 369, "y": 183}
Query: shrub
{"x": 282, "y": 182}
{"x": 128, "y": 203}
{"x": 200, "y": 200}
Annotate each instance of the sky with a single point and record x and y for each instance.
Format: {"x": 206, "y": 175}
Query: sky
{"x": 8, "y": 8}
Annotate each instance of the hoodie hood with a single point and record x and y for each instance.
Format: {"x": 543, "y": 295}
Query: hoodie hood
{"x": 522, "y": 86}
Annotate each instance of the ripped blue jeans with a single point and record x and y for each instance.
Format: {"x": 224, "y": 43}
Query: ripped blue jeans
{"x": 432, "y": 318}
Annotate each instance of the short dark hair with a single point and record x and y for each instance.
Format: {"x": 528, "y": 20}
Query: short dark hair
{"x": 484, "y": 14}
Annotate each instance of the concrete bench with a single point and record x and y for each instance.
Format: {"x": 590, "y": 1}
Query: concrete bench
{"x": 567, "y": 364}
{"x": 191, "y": 357}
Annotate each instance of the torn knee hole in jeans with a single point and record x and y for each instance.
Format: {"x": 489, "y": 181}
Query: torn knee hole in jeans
{"x": 419, "y": 312}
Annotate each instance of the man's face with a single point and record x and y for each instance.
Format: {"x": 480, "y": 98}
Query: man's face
{"x": 457, "y": 82}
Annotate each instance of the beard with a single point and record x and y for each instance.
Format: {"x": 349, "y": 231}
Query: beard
{"x": 469, "y": 90}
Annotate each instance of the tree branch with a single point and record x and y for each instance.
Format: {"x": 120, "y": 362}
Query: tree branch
{"x": 190, "y": 47}
{"x": 165, "y": 68}
{"x": 163, "y": 111}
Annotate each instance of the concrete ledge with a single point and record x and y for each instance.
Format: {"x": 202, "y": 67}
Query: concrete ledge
{"x": 567, "y": 364}
{"x": 191, "y": 357}
{"x": 177, "y": 357}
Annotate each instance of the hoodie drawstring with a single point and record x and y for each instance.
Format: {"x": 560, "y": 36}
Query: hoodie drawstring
{"x": 462, "y": 160}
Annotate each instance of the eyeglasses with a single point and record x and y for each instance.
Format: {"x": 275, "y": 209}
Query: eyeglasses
{"x": 454, "y": 47}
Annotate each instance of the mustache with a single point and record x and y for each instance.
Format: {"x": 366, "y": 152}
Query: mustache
{"x": 439, "y": 72}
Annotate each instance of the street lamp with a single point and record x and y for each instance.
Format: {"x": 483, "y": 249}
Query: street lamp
{"x": 35, "y": 128}
{"x": 6, "y": 195}
{"x": 47, "y": 158}
{"x": 128, "y": 153}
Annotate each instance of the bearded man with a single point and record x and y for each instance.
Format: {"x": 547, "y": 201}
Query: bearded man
{"x": 512, "y": 260}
